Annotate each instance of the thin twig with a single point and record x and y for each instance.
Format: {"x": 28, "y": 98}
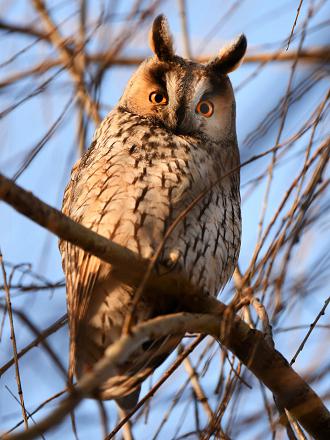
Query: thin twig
{"x": 28, "y": 413}
{"x": 13, "y": 340}
{"x": 284, "y": 113}
{"x": 294, "y": 24}
{"x": 312, "y": 326}
{"x": 41, "y": 337}
{"x": 157, "y": 385}
{"x": 39, "y": 407}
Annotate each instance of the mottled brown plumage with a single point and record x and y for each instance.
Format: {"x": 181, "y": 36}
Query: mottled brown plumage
{"x": 170, "y": 137}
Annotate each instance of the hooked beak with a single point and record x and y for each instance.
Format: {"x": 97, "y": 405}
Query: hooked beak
{"x": 182, "y": 123}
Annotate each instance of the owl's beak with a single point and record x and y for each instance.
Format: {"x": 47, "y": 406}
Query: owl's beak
{"x": 182, "y": 123}
{"x": 182, "y": 128}
{"x": 177, "y": 119}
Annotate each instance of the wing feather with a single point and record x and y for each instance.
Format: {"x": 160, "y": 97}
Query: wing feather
{"x": 81, "y": 269}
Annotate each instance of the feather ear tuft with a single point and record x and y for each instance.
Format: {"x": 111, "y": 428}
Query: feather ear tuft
{"x": 160, "y": 39}
{"x": 230, "y": 56}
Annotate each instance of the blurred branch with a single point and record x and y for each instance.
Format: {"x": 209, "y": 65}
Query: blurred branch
{"x": 214, "y": 430}
{"x": 41, "y": 337}
{"x": 312, "y": 54}
{"x": 225, "y": 18}
{"x": 35, "y": 287}
{"x": 323, "y": 152}
{"x": 184, "y": 27}
{"x": 180, "y": 391}
{"x": 39, "y": 407}
{"x": 197, "y": 387}
{"x": 29, "y": 416}
{"x": 68, "y": 59}
{"x": 30, "y": 325}
{"x": 284, "y": 113}
{"x": 317, "y": 54}
{"x": 307, "y": 57}
{"x": 31, "y": 155}
{"x": 25, "y": 30}
{"x": 81, "y": 123}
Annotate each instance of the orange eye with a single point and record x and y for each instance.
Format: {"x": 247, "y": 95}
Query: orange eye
{"x": 157, "y": 98}
{"x": 205, "y": 108}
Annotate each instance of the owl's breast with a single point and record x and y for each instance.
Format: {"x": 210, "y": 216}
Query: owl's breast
{"x": 132, "y": 188}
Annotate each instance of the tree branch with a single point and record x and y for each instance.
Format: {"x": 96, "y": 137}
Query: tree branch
{"x": 128, "y": 266}
{"x": 312, "y": 55}
{"x": 247, "y": 344}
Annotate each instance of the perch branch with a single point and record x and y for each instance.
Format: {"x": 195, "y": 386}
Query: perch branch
{"x": 247, "y": 344}
{"x": 108, "y": 251}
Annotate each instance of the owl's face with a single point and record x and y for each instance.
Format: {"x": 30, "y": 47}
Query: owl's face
{"x": 185, "y": 97}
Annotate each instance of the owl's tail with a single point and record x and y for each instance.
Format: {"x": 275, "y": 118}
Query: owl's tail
{"x": 128, "y": 402}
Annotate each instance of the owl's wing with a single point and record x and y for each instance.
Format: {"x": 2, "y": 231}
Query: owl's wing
{"x": 80, "y": 284}
{"x": 81, "y": 269}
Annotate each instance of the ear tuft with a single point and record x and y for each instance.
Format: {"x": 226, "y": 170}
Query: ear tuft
{"x": 160, "y": 39}
{"x": 230, "y": 56}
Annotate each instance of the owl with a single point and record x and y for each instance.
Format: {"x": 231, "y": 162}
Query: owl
{"x": 171, "y": 136}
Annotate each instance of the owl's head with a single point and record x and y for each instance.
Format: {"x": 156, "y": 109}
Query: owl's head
{"x": 186, "y": 97}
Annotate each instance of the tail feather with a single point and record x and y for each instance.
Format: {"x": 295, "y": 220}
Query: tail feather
{"x": 128, "y": 402}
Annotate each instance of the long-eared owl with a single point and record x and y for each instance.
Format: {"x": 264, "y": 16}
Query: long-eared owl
{"x": 171, "y": 136}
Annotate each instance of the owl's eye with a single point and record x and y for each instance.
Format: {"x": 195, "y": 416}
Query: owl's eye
{"x": 205, "y": 108}
{"x": 158, "y": 98}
